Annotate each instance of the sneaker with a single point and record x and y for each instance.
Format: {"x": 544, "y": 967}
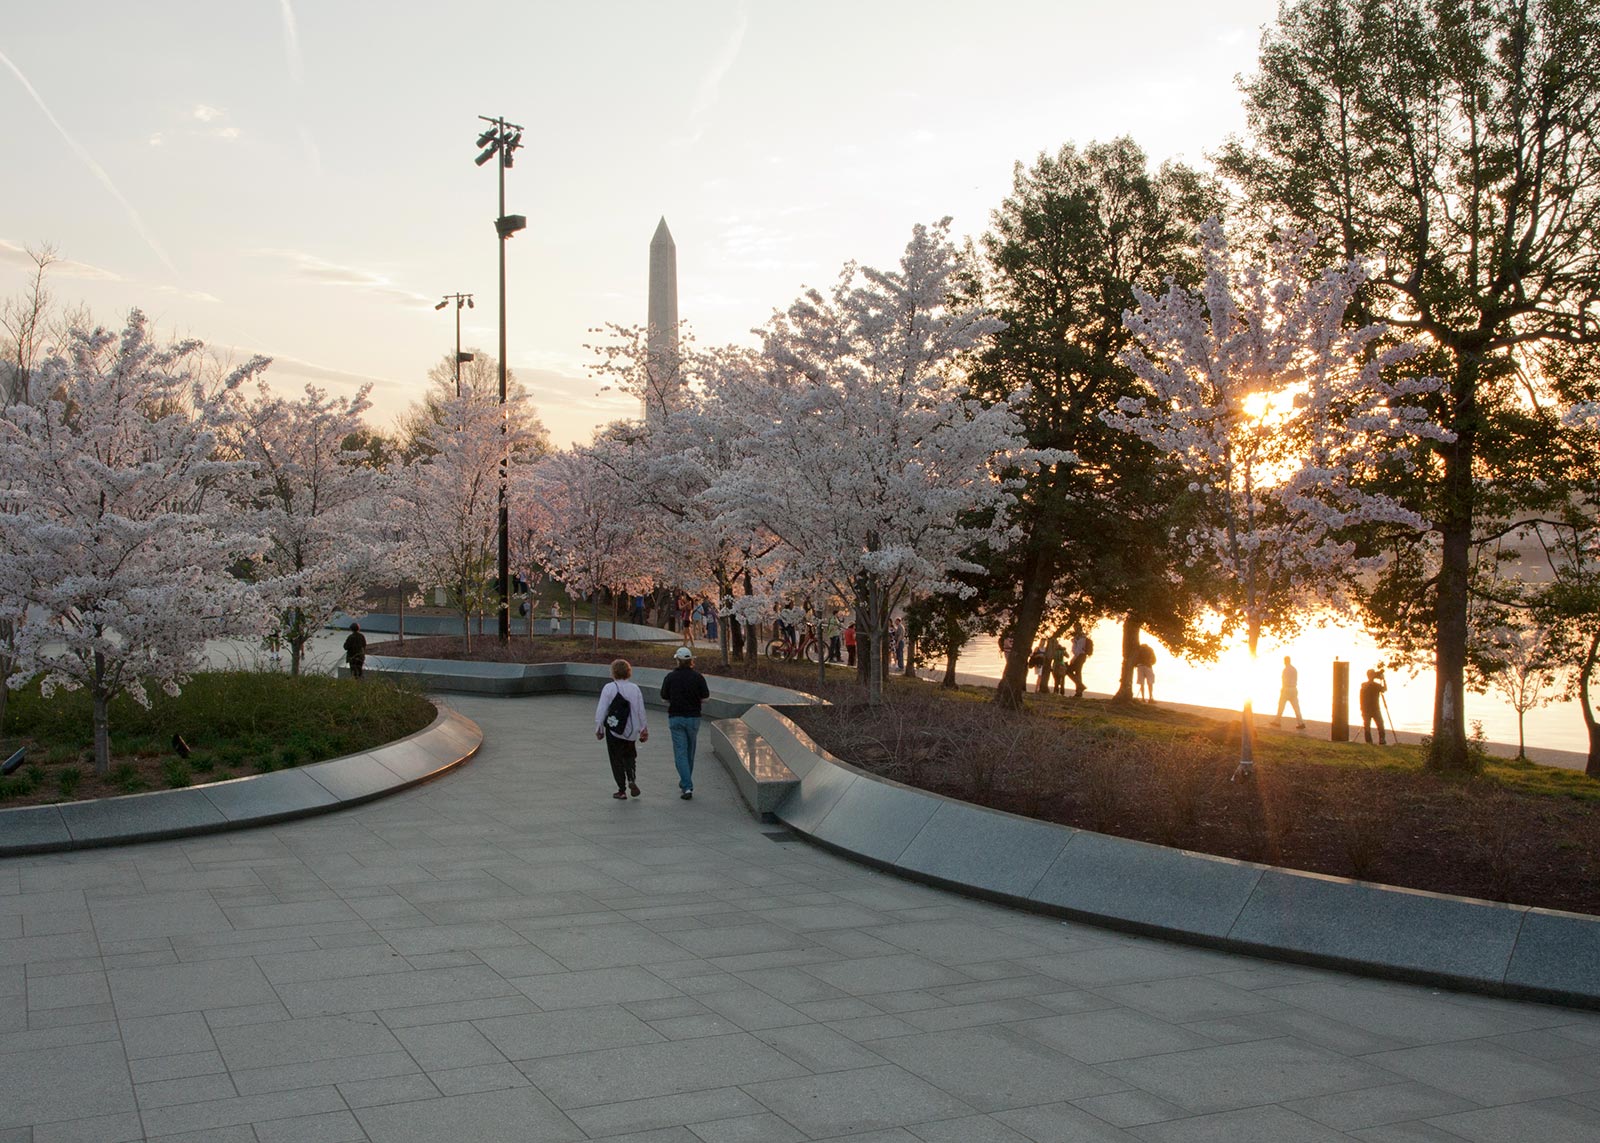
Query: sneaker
{"x": 633, "y": 788}
{"x": 623, "y": 794}
{"x": 1299, "y": 726}
{"x": 1279, "y": 722}
{"x": 686, "y": 795}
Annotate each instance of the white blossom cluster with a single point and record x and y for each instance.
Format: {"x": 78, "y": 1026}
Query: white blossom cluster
{"x": 1276, "y": 410}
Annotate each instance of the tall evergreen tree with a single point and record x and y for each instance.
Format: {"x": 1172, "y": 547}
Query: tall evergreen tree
{"x": 1081, "y": 228}
{"x": 1454, "y": 147}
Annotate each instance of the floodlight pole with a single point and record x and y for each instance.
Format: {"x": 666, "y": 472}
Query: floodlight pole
{"x": 460, "y": 300}
{"x": 504, "y": 545}
{"x": 500, "y": 140}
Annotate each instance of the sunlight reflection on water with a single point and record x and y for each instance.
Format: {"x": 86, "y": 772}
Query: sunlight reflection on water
{"x": 1223, "y": 683}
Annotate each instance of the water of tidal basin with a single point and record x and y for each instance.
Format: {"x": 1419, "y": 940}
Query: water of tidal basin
{"x": 1227, "y": 682}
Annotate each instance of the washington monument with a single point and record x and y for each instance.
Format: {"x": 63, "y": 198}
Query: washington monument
{"x": 661, "y": 347}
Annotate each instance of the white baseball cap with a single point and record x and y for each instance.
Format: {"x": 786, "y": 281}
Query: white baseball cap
{"x": 683, "y": 653}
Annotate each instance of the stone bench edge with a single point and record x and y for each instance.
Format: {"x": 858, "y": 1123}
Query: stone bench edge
{"x": 1262, "y": 910}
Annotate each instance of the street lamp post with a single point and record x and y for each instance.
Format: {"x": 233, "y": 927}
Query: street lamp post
{"x": 459, "y": 300}
{"x": 502, "y": 139}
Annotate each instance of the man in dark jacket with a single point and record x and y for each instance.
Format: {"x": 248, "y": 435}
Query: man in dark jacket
{"x": 683, "y": 690}
{"x": 355, "y": 650}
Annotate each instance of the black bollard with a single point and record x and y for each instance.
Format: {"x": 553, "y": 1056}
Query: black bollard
{"x": 179, "y": 746}
{"x": 1341, "y": 701}
{"x": 15, "y": 761}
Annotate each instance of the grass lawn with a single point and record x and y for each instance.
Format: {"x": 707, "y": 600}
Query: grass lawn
{"x": 235, "y": 723}
{"x": 1513, "y": 831}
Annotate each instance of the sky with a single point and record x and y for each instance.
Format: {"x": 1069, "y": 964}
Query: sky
{"x": 295, "y": 179}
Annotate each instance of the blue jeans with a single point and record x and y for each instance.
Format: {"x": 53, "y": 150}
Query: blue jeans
{"x": 685, "y": 732}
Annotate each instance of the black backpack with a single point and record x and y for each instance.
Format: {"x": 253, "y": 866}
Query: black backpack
{"x": 618, "y": 714}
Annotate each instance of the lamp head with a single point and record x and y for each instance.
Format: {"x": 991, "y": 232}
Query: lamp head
{"x": 442, "y": 304}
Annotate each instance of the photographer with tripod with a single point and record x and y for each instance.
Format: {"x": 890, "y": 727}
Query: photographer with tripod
{"x": 1372, "y": 704}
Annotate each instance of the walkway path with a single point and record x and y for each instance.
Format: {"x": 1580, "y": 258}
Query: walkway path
{"x": 509, "y": 954}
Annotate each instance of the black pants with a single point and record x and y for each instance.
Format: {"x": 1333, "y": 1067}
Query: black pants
{"x": 1366, "y": 725}
{"x": 356, "y": 666}
{"x": 624, "y": 757}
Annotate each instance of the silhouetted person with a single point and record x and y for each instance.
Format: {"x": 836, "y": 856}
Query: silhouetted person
{"x": 1372, "y": 705}
{"x": 1289, "y": 694}
{"x": 1144, "y": 669}
{"x": 355, "y": 650}
{"x": 1082, "y": 648}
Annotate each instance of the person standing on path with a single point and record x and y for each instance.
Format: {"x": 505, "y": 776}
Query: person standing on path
{"x": 1372, "y": 706}
{"x": 1289, "y": 694}
{"x": 683, "y": 690}
{"x": 619, "y": 719}
{"x": 355, "y": 651}
{"x": 1082, "y": 648}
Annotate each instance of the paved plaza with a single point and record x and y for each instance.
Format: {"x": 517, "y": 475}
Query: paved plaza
{"x": 508, "y": 953}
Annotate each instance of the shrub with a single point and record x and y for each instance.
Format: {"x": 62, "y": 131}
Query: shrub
{"x": 67, "y": 779}
{"x": 125, "y": 777}
{"x": 176, "y": 772}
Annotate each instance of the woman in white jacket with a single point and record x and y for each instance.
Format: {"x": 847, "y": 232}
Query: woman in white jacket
{"x": 619, "y": 719}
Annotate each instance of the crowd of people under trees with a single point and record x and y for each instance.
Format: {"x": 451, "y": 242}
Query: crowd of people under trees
{"x": 1352, "y": 367}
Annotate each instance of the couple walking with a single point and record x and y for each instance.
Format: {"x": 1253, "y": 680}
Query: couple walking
{"x": 619, "y": 719}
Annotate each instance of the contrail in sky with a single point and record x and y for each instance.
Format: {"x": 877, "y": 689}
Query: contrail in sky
{"x": 706, "y": 95}
{"x": 291, "y": 40}
{"x": 98, "y": 171}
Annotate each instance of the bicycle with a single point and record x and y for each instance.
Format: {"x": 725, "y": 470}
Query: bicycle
{"x": 809, "y": 647}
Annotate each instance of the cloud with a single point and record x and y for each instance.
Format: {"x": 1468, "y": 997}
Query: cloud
{"x": 95, "y": 168}
{"x": 310, "y": 268}
{"x": 301, "y": 369}
{"x": 191, "y": 295}
{"x": 16, "y": 255}
{"x": 207, "y": 114}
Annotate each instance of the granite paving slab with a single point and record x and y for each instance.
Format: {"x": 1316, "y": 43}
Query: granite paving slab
{"x": 347, "y": 978}
{"x": 992, "y": 852}
{"x": 1402, "y": 930}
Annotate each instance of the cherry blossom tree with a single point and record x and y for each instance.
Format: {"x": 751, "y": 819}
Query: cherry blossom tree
{"x": 312, "y": 499}
{"x": 673, "y": 462}
{"x": 448, "y": 500}
{"x": 587, "y": 524}
{"x": 1512, "y": 652}
{"x": 867, "y": 457}
{"x": 116, "y": 526}
{"x": 1275, "y": 410}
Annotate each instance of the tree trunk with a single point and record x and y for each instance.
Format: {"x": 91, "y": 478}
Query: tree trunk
{"x": 1448, "y": 750}
{"x": 1037, "y": 573}
{"x": 949, "y": 680}
{"x": 1593, "y": 767}
{"x": 7, "y": 665}
{"x": 910, "y": 670}
{"x": 102, "y": 718}
{"x": 401, "y": 611}
{"x": 1130, "y": 648}
{"x": 1247, "y": 716}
